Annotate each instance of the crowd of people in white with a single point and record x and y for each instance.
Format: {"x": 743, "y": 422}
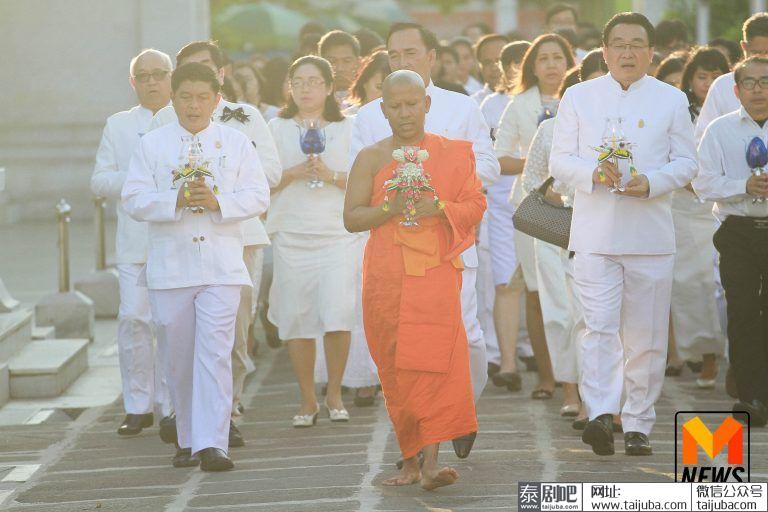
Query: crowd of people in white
{"x": 254, "y": 232}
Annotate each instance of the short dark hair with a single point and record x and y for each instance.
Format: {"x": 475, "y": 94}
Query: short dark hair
{"x": 194, "y": 72}
{"x": 732, "y": 47}
{"x": 487, "y": 38}
{"x": 572, "y": 77}
{"x": 312, "y": 27}
{"x": 336, "y": 38}
{"x": 593, "y": 61}
{"x": 526, "y": 79}
{"x": 558, "y": 8}
{"x": 755, "y": 26}
{"x": 331, "y": 111}
{"x": 630, "y": 18}
{"x": 427, "y": 36}
{"x": 217, "y": 56}
{"x": 274, "y": 71}
{"x": 706, "y": 58}
{"x": 483, "y": 26}
{"x": 443, "y": 49}
{"x": 569, "y": 35}
{"x": 738, "y": 71}
{"x": 673, "y": 63}
{"x": 461, "y": 40}
{"x": 514, "y": 52}
{"x": 590, "y": 32}
{"x": 669, "y": 31}
{"x": 369, "y": 40}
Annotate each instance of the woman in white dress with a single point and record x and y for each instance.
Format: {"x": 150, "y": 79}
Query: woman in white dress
{"x": 695, "y": 332}
{"x": 542, "y": 71}
{"x": 315, "y": 258}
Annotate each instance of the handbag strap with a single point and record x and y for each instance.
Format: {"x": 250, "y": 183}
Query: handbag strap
{"x": 544, "y": 186}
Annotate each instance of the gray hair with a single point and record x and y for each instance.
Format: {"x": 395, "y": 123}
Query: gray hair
{"x": 150, "y": 51}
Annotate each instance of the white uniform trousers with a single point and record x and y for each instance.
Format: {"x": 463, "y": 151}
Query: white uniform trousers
{"x": 486, "y": 292}
{"x": 198, "y": 326}
{"x": 144, "y": 386}
{"x": 626, "y": 302}
{"x": 576, "y": 313}
{"x": 253, "y": 256}
{"x": 695, "y": 314}
{"x": 478, "y": 365}
{"x": 553, "y": 296}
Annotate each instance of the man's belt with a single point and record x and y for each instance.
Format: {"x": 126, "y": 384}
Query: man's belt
{"x": 748, "y": 222}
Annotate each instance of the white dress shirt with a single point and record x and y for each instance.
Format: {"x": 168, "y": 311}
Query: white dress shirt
{"x": 492, "y": 108}
{"x": 657, "y": 121}
{"x": 255, "y": 128}
{"x": 483, "y": 93}
{"x": 720, "y": 100}
{"x": 472, "y": 85}
{"x": 195, "y": 249}
{"x": 723, "y": 169}
{"x": 118, "y": 141}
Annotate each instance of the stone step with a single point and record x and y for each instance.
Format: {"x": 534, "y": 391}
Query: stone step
{"x": 47, "y": 332}
{"x": 15, "y": 332}
{"x": 45, "y": 368}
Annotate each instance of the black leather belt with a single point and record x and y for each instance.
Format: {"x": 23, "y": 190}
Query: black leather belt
{"x": 750, "y": 222}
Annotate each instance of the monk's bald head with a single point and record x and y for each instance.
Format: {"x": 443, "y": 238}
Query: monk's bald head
{"x": 405, "y": 104}
{"x": 403, "y": 79}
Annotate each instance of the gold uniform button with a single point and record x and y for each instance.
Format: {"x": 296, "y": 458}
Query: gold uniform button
{"x": 194, "y": 239}
{"x": 202, "y": 239}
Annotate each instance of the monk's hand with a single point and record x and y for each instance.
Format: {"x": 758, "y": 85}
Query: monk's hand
{"x": 396, "y": 205}
{"x": 426, "y": 207}
{"x": 201, "y": 195}
{"x": 607, "y": 174}
{"x": 637, "y": 187}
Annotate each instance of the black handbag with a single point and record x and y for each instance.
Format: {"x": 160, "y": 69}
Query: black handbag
{"x": 543, "y": 220}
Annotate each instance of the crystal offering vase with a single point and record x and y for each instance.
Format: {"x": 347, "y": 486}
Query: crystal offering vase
{"x": 616, "y": 145}
{"x": 757, "y": 159}
{"x": 312, "y": 142}
{"x": 192, "y": 158}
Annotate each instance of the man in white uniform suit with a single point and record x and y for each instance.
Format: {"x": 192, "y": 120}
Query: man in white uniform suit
{"x": 721, "y": 99}
{"x": 144, "y": 388}
{"x": 624, "y": 243}
{"x": 248, "y": 120}
{"x": 455, "y": 116}
{"x": 195, "y": 267}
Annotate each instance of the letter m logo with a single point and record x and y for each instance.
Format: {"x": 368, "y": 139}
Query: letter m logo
{"x": 730, "y": 432}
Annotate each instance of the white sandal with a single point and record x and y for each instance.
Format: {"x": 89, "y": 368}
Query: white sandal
{"x": 306, "y": 420}
{"x": 337, "y": 415}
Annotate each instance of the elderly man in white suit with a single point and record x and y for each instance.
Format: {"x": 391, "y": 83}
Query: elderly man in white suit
{"x": 624, "y": 242}
{"x": 195, "y": 269}
{"x": 144, "y": 388}
{"x": 249, "y": 121}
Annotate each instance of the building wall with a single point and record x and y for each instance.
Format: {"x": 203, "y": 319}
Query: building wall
{"x": 64, "y": 71}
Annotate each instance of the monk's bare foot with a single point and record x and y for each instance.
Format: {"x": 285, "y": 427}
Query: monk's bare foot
{"x": 432, "y": 480}
{"x": 405, "y": 478}
{"x": 410, "y": 474}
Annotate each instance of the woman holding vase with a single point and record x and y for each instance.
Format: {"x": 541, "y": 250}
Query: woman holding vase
{"x": 315, "y": 261}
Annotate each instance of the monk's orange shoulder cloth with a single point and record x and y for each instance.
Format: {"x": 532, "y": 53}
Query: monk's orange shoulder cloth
{"x": 412, "y": 305}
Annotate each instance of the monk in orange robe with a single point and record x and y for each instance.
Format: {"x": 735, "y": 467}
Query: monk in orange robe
{"x": 412, "y": 281}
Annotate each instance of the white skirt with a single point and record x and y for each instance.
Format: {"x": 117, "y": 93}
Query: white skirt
{"x": 313, "y": 279}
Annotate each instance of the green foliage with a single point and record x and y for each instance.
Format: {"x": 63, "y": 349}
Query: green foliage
{"x": 726, "y": 16}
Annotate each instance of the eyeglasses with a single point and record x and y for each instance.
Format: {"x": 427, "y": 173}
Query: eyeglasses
{"x": 750, "y": 83}
{"x": 312, "y": 83}
{"x": 157, "y": 74}
{"x": 634, "y": 48}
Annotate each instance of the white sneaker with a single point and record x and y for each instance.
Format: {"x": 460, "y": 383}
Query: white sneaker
{"x": 337, "y": 415}
{"x": 305, "y": 420}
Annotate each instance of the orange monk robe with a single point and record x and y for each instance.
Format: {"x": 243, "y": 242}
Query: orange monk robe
{"x": 412, "y": 303}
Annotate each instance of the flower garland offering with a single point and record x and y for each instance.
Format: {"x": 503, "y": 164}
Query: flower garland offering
{"x": 188, "y": 172}
{"x": 410, "y": 180}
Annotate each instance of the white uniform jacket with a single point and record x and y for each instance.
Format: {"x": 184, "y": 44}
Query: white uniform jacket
{"x": 656, "y": 120}
{"x": 255, "y": 128}
{"x": 186, "y": 248}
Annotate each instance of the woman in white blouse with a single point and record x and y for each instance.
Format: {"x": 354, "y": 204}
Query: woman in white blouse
{"x": 315, "y": 260}
{"x": 555, "y": 281}
{"x": 543, "y": 68}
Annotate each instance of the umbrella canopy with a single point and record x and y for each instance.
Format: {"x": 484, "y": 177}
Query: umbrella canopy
{"x": 265, "y": 25}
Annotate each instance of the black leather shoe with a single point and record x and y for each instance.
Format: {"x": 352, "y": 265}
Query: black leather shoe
{"x": 214, "y": 459}
{"x": 579, "y": 424}
{"x": 493, "y": 369}
{"x": 185, "y": 459}
{"x": 168, "y": 430}
{"x": 463, "y": 445}
{"x": 637, "y": 443}
{"x": 235, "y": 437}
{"x": 599, "y": 434}
{"x": 530, "y": 364}
{"x": 758, "y": 413}
{"x": 133, "y": 424}
{"x": 510, "y": 380}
